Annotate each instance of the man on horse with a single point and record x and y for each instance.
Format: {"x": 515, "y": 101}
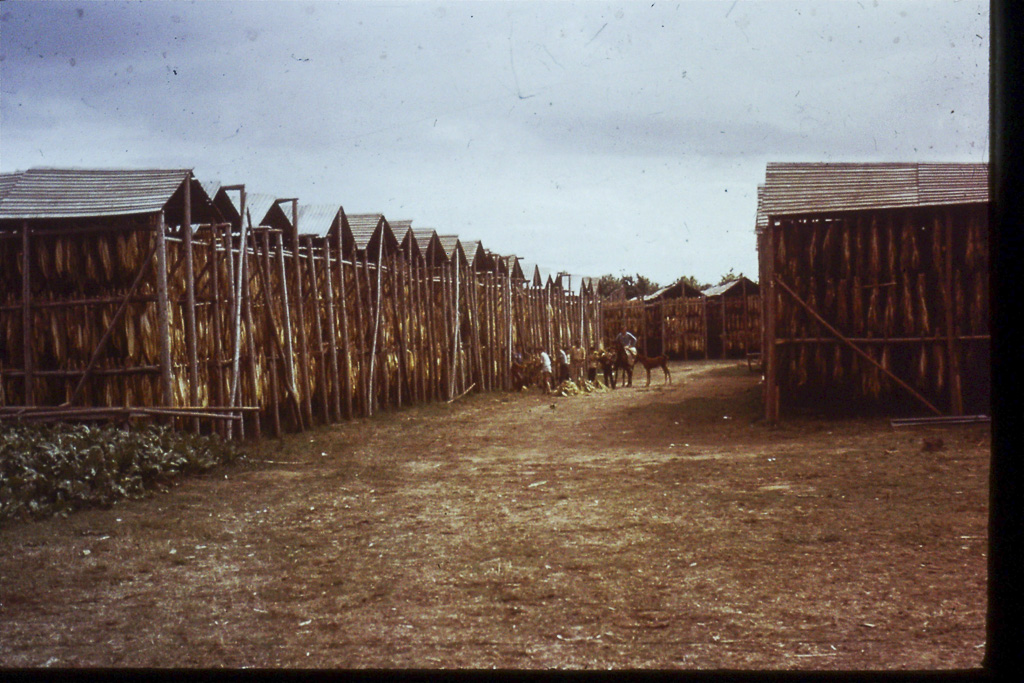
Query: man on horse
{"x": 625, "y": 355}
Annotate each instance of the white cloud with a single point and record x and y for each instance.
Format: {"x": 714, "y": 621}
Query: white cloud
{"x": 595, "y": 137}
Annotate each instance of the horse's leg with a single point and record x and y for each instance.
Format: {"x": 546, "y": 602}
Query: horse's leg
{"x": 668, "y": 375}
{"x": 648, "y": 374}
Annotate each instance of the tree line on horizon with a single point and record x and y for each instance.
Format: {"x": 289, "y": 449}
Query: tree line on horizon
{"x": 639, "y": 285}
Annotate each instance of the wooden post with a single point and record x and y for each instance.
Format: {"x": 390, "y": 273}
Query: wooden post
{"x": 26, "y": 315}
{"x": 230, "y": 306}
{"x": 707, "y": 329}
{"x": 361, "y": 329}
{"x": 456, "y": 332}
{"x": 402, "y": 388}
{"x": 237, "y": 350}
{"x": 190, "y": 305}
{"x": 746, "y": 318}
{"x": 332, "y": 333}
{"x": 215, "y": 369}
{"x": 251, "y": 361}
{"x": 346, "y": 339}
{"x": 163, "y": 325}
{"x": 415, "y": 323}
{"x": 300, "y": 299}
{"x": 477, "y": 313}
{"x": 446, "y": 342}
{"x": 294, "y": 402}
{"x": 769, "y": 353}
{"x": 376, "y": 322}
{"x": 263, "y": 270}
{"x": 287, "y": 316}
{"x": 434, "y": 344}
{"x": 315, "y": 299}
{"x": 953, "y": 364}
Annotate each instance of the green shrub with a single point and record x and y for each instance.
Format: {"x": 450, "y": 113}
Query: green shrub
{"x": 50, "y": 469}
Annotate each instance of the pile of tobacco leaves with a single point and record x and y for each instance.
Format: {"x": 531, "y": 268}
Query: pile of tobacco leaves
{"x": 48, "y": 469}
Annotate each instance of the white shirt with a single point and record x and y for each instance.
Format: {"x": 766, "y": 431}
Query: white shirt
{"x": 545, "y": 360}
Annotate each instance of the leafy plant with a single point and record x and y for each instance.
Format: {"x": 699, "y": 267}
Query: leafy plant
{"x": 51, "y": 469}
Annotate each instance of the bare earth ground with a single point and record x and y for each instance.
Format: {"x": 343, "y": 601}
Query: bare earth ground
{"x": 641, "y": 528}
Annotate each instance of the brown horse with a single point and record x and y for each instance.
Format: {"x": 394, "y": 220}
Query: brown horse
{"x": 624, "y": 360}
{"x": 606, "y": 362}
{"x": 656, "y": 362}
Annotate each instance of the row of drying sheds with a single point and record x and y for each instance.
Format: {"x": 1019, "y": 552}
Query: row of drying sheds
{"x": 875, "y": 287}
{"x": 146, "y": 293}
{"x": 681, "y": 321}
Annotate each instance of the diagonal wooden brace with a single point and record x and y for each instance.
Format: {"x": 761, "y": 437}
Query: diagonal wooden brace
{"x": 102, "y": 344}
{"x": 856, "y": 349}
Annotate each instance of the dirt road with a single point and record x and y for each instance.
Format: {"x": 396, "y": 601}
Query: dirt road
{"x": 663, "y": 527}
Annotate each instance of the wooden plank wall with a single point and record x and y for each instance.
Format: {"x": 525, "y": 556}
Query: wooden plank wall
{"x": 908, "y": 288}
{"x": 288, "y": 340}
{"x": 678, "y": 326}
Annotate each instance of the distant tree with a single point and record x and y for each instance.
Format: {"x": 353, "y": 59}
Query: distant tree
{"x": 632, "y": 286}
{"x": 608, "y": 284}
{"x": 729, "y": 277}
{"x": 694, "y": 282}
{"x": 645, "y": 286}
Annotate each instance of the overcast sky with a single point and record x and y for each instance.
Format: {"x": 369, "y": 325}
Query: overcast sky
{"x": 590, "y": 137}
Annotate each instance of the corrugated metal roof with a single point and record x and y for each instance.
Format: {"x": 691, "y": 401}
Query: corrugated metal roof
{"x": 424, "y": 235}
{"x": 429, "y": 245}
{"x": 762, "y": 220}
{"x": 752, "y": 287}
{"x": 402, "y": 230}
{"x": 449, "y": 242}
{"x": 515, "y": 271}
{"x": 257, "y": 204}
{"x": 675, "y": 290}
{"x": 212, "y": 187}
{"x": 811, "y": 188}
{"x": 363, "y": 226}
{"x": 474, "y": 249}
{"x": 316, "y": 219}
{"x": 400, "y": 227}
{"x": 7, "y": 181}
{"x": 75, "y": 193}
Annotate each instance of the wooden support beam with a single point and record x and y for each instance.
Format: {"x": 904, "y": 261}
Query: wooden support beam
{"x": 28, "y": 357}
{"x": 346, "y": 339}
{"x": 313, "y": 298}
{"x": 191, "y": 346}
{"x": 856, "y": 349}
{"x": 332, "y": 334}
{"x": 289, "y": 349}
{"x": 236, "y": 351}
{"x": 956, "y": 401}
{"x": 214, "y": 367}
{"x": 251, "y": 361}
{"x": 263, "y": 272}
{"x": 274, "y": 331}
{"x": 770, "y": 354}
{"x": 163, "y": 324}
{"x": 300, "y": 322}
{"x": 376, "y": 321}
{"x": 360, "y": 333}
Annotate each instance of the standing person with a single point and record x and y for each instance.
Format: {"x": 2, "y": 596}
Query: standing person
{"x": 594, "y": 360}
{"x": 563, "y": 364}
{"x": 545, "y": 369}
